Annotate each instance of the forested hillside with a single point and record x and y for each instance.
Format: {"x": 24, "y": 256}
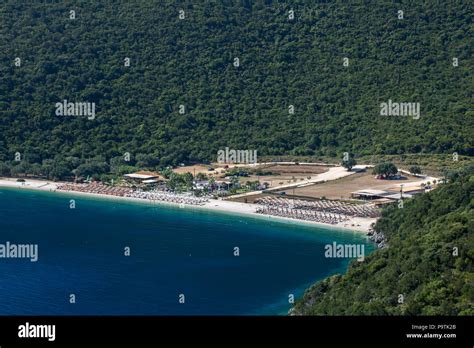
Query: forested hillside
{"x": 190, "y": 62}
{"x": 429, "y": 261}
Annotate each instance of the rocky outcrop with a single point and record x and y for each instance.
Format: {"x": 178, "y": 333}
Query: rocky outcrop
{"x": 378, "y": 238}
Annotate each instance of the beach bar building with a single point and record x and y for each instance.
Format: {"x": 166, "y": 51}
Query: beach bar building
{"x": 144, "y": 178}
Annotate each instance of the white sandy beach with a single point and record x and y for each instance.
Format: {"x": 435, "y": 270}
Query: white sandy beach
{"x": 29, "y": 184}
{"x": 353, "y": 224}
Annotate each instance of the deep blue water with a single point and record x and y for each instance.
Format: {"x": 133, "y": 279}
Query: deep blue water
{"x": 173, "y": 251}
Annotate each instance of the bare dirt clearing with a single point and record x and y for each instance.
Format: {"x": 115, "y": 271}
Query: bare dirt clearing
{"x": 285, "y": 174}
{"x": 342, "y": 188}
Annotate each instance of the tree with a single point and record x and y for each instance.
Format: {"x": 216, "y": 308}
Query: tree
{"x": 201, "y": 176}
{"x": 167, "y": 172}
{"x": 116, "y": 163}
{"x": 415, "y": 170}
{"x": 36, "y": 169}
{"x": 59, "y": 170}
{"x": 92, "y": 167}
{"x": 123, "y": 169}
{"x": 188, "y": 180}
{"x": 349, "y": 163}
{"x": 385, "y": 169}
{"x": 173, "y": 181}
{"x": 147, "y": 160}
{"x": 212, "y": 182}
{"x": 23, "y": 168}
{"x": 4, "y": 169}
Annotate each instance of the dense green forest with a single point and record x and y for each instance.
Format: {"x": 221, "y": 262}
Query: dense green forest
{"x": 429, "y": 261}
{"x": 190, "y": 62}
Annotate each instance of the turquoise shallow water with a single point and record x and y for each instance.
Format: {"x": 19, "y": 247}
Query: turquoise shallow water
{"x": 173, "y": 251}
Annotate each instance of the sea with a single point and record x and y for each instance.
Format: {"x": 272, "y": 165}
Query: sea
{"x": 112, "y": 257}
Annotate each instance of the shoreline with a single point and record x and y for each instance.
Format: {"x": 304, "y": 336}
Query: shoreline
{"x": 354, "y": 224}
